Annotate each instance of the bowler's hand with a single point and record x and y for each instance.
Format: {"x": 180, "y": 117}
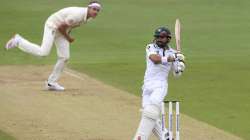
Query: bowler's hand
{"x": 71, "y": 40}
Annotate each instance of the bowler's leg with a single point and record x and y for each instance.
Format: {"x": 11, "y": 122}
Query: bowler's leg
{"x": 31, "y": 48}
{"x": 63, "y": 53}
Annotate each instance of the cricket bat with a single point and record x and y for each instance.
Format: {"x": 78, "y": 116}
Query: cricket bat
{"x": 178, "y": 35}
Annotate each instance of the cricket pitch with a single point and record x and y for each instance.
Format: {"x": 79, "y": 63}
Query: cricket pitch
{"x": 87, "y": 110}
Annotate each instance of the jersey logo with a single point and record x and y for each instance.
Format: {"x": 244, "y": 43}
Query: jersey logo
{"x": 155, "y": 46}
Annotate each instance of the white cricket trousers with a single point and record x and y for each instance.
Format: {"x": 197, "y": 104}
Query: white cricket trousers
{"x": 154, "y": 93}
{"x": 50, "y": 37}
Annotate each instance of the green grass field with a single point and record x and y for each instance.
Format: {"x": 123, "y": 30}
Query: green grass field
{"x": 4, "y": 136}
{"x": 214, "y": 88}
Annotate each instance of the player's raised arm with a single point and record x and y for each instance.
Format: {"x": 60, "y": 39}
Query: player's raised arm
{"x": 157, "y": 59}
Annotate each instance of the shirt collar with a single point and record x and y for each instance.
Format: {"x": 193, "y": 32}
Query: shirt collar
{"x": 169, "y": 47}
{"x": 86, "y": 15}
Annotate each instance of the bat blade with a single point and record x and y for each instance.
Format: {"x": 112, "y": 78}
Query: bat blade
{"x": 178, "y": 35}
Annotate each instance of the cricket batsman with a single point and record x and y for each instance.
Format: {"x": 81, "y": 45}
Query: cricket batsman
{"x": 57, "y": 30}
{"x": 161, "y": 59}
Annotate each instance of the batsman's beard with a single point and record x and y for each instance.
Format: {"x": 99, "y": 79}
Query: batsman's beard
{"x": 162, "y": 44}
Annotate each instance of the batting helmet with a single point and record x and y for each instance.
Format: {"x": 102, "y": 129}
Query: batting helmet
{"x": 162, "y": 31}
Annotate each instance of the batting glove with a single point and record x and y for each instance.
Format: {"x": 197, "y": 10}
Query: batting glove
{"x": 179, "y": 68}
{"x": 179, "y": 57}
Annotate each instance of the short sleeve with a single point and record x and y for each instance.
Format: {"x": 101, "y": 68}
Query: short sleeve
{"x": 150, "y": 49}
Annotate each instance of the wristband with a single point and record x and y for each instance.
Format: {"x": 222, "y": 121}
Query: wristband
{"x": 164, "y": 60}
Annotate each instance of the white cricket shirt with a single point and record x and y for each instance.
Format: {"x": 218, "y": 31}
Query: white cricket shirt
{"x": 72, "y": 16}
{"x": 157, "y": 72}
